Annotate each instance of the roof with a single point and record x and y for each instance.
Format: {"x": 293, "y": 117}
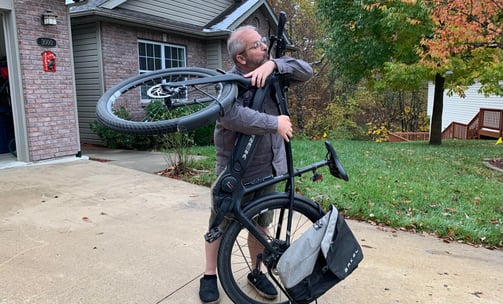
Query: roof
{"x": 235, "y": 15}
{"x": 228, "y": 20}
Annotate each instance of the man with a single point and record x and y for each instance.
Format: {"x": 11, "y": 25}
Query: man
{"x": 250, "y": 55}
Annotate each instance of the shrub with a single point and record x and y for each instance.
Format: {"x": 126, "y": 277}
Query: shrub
{"x": 119, "y": 140}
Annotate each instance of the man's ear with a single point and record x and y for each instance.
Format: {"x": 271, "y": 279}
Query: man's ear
{"x": 241, "y": 59}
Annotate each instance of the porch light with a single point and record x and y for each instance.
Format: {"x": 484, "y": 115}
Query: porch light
{"x": 49, "y": 18}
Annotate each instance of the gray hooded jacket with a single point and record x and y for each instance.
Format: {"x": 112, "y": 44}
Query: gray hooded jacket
{"x": 269, "y": 158}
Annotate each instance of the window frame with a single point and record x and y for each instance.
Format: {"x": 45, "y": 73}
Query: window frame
{"x": 162, "y": 56}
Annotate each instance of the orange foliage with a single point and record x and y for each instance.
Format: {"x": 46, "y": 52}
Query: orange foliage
{"x": 461, "y": 25}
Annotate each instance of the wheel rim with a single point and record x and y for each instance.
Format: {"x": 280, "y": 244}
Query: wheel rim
{"x": 126, "y": 107}
{"x": 239, "y": 261}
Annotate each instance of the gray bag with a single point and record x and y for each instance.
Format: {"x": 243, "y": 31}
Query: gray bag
{"x": 322, "y": 257}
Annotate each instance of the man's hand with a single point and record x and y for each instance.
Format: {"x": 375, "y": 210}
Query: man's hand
{"x": 260, "y": 74}
{"x": 285, "y": 127}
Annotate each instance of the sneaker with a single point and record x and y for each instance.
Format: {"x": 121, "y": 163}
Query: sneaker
{"x": 262, "y": 285}
{"x": 208, "y": 291}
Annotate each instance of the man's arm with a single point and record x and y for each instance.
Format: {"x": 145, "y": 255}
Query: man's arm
{"x": 298, "y": 70}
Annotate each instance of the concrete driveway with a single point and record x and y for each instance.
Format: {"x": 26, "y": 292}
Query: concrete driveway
{"x": 85, "y": 231}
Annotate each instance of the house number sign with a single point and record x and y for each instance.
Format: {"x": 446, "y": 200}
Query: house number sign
{"x": 46, "y": 42}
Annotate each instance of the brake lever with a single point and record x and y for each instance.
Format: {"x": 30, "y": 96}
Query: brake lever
{"x": 334, "y": 163}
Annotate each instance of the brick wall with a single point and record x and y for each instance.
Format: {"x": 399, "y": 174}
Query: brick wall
{"x": 49, "y": 97}
{"x": 120, "y": 51}
{"x": 120, "y": 57}
{"x": 119, "y": 47}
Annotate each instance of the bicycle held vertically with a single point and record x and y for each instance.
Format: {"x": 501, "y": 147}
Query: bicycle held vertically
{"x": 184, "y": 99}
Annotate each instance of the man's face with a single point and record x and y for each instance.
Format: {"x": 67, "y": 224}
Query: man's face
{"x": 255, "y": 53}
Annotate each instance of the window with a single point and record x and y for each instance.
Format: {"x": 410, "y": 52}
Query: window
{"x": 155, "y": 56}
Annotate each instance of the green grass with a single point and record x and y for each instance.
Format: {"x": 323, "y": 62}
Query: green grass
{"x": 446, "y": 190}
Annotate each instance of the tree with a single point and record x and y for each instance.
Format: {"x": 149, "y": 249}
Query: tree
{"x": 467, "y": 42}
{"x": 385, "y": 41}
{"x": 308, "y": 99}
{"x": 376, "y": 42}
{"x": 365, "y": 35}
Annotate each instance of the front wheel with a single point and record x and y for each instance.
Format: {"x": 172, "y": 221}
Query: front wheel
{"x": 139, "y": 105}
{"x": 234, "y": 259}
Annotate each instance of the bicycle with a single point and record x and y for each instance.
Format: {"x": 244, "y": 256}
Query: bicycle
{"x": 194, "y": 97}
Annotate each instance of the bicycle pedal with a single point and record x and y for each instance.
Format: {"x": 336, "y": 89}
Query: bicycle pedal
{"x": 213, "y": 235}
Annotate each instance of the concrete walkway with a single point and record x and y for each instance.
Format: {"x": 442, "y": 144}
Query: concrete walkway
{"x": 86, "y": 231}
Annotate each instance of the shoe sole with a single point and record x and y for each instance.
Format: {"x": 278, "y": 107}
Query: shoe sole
{"x": 213, "y": 302}
{"x": 263, "y": 294}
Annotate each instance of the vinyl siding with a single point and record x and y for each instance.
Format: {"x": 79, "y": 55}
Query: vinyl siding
{"x": 214, "y": 55}
{"x": 462, "y": 110}
{"x": 198, "y": 13}
{"x": 88, "y": 78}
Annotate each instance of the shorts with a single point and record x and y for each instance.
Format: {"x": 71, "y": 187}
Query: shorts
{"x": 263, "y": 220}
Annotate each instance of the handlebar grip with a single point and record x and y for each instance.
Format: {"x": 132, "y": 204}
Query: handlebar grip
{"x": 281, "y": 24}
{"x": 280, "y": 42}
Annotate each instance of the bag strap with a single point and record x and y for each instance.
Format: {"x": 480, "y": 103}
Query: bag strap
{"x": 327, "y": 241}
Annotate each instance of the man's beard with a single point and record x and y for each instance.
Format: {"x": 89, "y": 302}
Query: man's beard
{"x": 256, "y": 63}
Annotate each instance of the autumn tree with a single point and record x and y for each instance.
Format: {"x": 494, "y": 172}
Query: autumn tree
{"x": 402, "y": 43}
{"x": 372, "y": 42}
{"x": 467, "y": 43}
{"x": 308, "y": 99}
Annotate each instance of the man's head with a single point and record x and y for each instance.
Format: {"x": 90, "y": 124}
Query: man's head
{"x": 247, "y": 48}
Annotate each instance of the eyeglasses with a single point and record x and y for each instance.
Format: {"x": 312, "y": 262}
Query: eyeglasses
{"x": 256, "y": 45}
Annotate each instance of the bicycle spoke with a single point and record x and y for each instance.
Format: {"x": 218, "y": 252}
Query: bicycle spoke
{"x": 146, "y": 105}
{"x": 234, "y": 261}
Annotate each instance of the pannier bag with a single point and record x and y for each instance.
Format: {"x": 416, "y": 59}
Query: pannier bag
{"x": 323, "y": 256}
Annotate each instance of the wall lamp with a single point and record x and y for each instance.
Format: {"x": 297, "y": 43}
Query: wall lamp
{"x": 49, "y": 18}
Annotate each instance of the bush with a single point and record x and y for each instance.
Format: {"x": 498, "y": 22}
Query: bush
{"x": 154, "y": 111}
{"x": 119, "y": 140}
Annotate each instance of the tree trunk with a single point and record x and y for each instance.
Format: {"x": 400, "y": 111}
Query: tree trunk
{"x": 299, "y": 111}
{"x": 438, "y": 107}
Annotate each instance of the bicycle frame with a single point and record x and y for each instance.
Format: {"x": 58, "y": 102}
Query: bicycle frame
{"x": 237, "y": 210}
{"x": 229, "y": 190}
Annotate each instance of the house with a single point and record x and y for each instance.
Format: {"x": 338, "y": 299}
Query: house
{"x": 462, "y": 110}
{"x": 57, "y": 71}
{"x": 112, "y": 40}
{"x": 37, "y": 114}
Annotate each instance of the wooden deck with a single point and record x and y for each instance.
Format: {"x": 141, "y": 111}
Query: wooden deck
{"x": 487, "y": 123}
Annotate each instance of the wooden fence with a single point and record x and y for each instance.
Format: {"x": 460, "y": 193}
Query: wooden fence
{"x": 408, "y": 136}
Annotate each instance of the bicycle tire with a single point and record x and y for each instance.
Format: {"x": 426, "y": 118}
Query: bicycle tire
{"x": 233, "y": 256}
{"x": 121, "y": 107}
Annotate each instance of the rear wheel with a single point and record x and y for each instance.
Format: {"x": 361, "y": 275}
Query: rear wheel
{"x": 234, "y": 259}
{"x": 141, "y": 105}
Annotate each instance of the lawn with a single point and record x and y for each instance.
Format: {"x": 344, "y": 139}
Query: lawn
{"x": 445, "y": 190}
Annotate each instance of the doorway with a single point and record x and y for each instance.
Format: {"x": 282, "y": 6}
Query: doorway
{"x": 7, "y": 136}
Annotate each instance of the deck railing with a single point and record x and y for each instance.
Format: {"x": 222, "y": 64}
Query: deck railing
{"x": 408, "y": 136}
{"x": 488, "y": 123}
